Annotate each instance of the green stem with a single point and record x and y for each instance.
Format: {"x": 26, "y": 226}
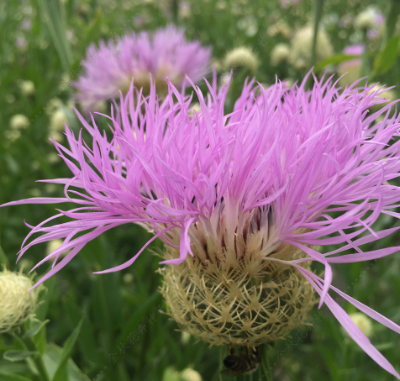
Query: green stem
{"x": 220, "y": 364}
{"x": 365, "y": 67}
{"x": 30, "y": 345}
{"x": 175, "y": 10}
{"x": 266, "y": 368}
{"x": 318, "y": 6}
{"x": 390, "y": 25}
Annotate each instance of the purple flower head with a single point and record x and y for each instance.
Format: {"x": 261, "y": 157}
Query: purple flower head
{"x": 373, "y": 34}
{"x": 26, "y": 24}
{"x": 110, "y": 68}
{"x": 21, "y": 42}
{"x": 288, "y": 168}
{"x": 380, "y": 19}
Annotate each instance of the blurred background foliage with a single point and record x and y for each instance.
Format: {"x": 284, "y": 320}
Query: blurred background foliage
{"x": 112, "y": 326}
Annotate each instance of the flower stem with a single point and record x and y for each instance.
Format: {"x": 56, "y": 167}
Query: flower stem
{"x": 220, "y": 364}
{"x": 318, "y": 6}
{"x": 251, "y": 377}
{"x": 365, "y": 67}
{"x": 266, "y": 369}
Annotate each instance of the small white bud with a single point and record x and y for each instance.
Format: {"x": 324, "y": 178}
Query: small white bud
{"x": 280, "y": 53}
{"x": 362, "y": 322}
{"x": 189, "y": 374}
{"x": 27, "y": 87}
{"x": 19, "y": 122}
{"x": 54, "y": 245}
{"x": 241, "y": 57}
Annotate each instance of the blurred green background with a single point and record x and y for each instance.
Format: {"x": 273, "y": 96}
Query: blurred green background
{"x": 42, "y": 44}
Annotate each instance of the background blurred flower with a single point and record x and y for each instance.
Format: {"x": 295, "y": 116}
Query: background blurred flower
{"x": 27, "y": 87}
{"x": 286, "y": 3}
{"x": 170, "y": 374}
{"x": 362, "y": 322}
{"x": 239, "y": 58}
{"x": 300, "y": 52}
{"x": 370, "y": 18}
{"x": 16, "y": 303}
{"x": 19, "y": 122}
{"x": 189, "y": 374}
{"x": 21, "y": 43}
{"x": 279, "y": 28}
{"x": 110, "y": 68}
{"x": 54, "y": 245}
{"x": 184, "y": 10}
{"x": 351, "y": 69}
{"x": 26, "y": 24}
{"x": 280, "y": 53}
{"x": 57, "y": 124}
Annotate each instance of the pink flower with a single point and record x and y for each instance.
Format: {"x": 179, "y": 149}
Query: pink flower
{"x": 110, "y": 68}
{"x": 286, "y": 167}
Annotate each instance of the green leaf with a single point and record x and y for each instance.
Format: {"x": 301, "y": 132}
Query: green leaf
{"x": 51, "y": 360}
{"x": 334, "y": 60}
{"x": 40, "y": 341}
{"x": 5, "y": 376}
{"x": 61, "y": 373}
{"x": 35, "y": 329}
{"x": 87, "y": 339}
{"x": 385, "y": 59}
{"x": 138, "y": 316}
{"x": 18, "y": 355}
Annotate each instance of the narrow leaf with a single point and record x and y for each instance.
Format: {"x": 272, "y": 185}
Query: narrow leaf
{"x": 334, "y": 60}
{"x": 35, "y": 329}
{"x": 61, "y": 371}
{"x": 5, "y": 376}
{"x": 385, "y": 59}
{"x": 18, "y": 355}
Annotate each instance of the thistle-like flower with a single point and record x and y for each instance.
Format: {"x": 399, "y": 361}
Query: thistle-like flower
{"x": 16, "y": 304}
{"x": 242, "y": 200}
{"x": 111, "y": 68}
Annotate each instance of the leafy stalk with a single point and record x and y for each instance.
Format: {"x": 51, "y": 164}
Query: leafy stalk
{"x": 37, "y": 359}
{"x": 53, "y": 15}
